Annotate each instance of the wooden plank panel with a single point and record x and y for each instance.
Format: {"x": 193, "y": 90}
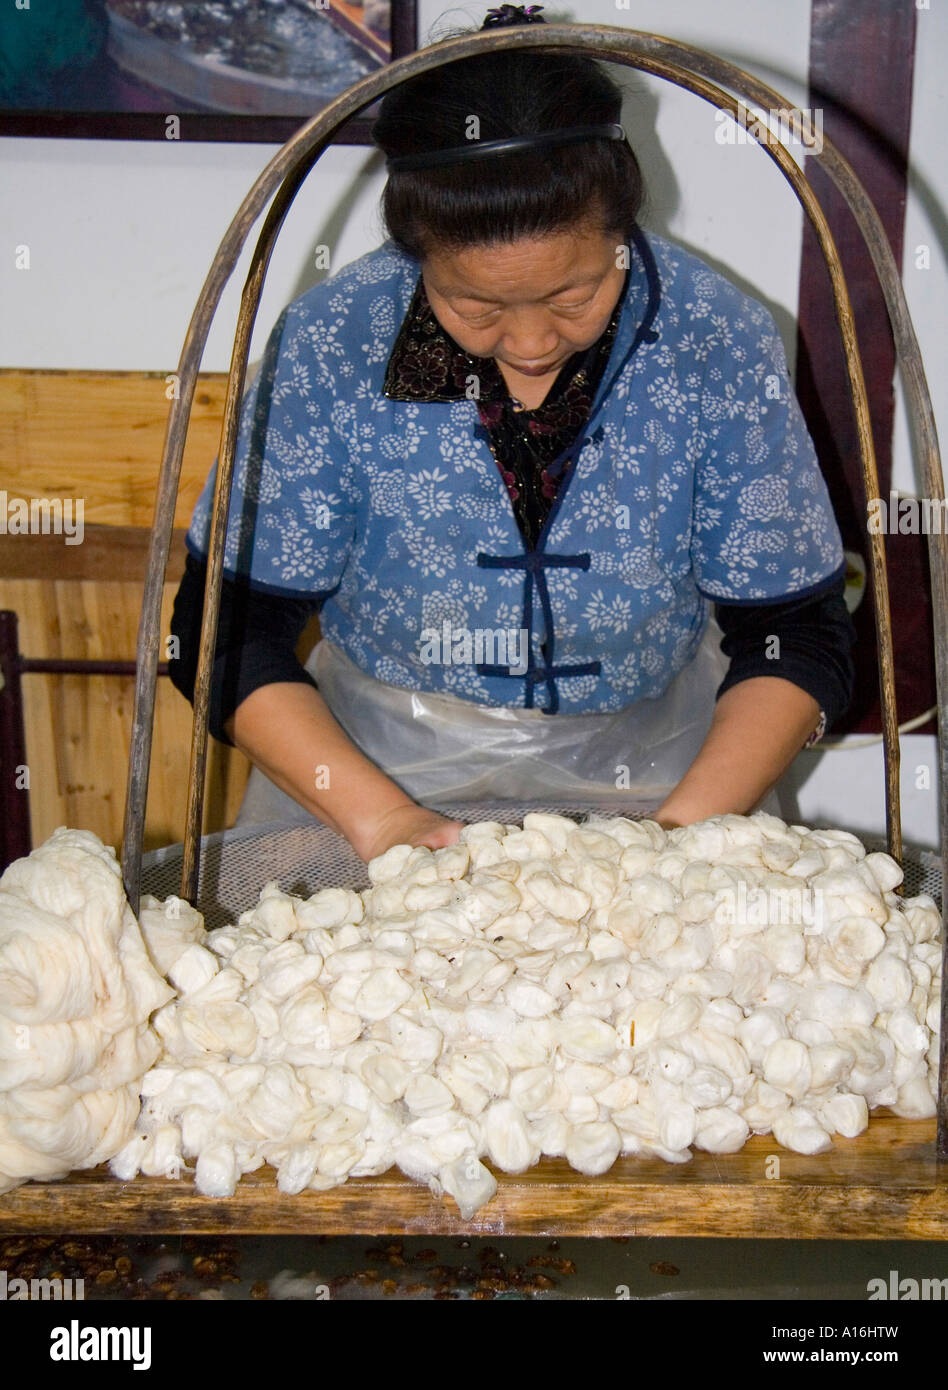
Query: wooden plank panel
{"x": 61, "y": 618}
{"x": 78, "y": 727}
{"x": 105, "y": 551}
{"x": 884, "y": 1185}
{"x": 99, "y": 436}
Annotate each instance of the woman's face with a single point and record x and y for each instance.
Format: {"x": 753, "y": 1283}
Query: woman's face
{"x": 529, "y": 304}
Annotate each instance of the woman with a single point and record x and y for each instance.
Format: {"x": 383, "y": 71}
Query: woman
{"x": 512, "y": 457}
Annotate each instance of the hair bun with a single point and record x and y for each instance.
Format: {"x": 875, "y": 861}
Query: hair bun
{"x": 506, "y": 16}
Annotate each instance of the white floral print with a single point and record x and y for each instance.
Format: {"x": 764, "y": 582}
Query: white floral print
{"x": 696, "y": 483}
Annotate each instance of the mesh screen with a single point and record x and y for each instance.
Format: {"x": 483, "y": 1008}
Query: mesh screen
{"x": 235, "y": 864}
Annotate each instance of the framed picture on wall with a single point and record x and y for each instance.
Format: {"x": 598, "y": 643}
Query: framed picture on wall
{"x": 239, "y": 70}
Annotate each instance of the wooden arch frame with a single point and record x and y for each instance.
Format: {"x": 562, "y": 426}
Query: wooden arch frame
{"x": 696, "y": 71}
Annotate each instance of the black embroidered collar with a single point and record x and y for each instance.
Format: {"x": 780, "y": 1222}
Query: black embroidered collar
{"x": 529, "y": 446}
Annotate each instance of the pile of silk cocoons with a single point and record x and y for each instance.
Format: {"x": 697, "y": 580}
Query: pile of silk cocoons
{"x": 562, "y": 990}
{"x": 76, "y": 991}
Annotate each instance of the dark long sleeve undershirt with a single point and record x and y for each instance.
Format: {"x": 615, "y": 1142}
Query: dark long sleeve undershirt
{"x": 256, "y": 642}
{"x": 257, "y": 636}
{"x": 813, "y": 646}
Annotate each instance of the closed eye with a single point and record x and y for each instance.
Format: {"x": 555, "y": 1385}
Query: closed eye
{"x": 580, "y": 304}
{"x": 568, "y": 308}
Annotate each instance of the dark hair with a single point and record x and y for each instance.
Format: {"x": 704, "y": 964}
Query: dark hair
{"x": 504, "y": 197}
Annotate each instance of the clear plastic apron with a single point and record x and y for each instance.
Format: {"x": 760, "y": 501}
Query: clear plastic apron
{"x": 444, "y": 750}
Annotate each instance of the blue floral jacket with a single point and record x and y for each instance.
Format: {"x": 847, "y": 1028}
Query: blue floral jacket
{"x": 694, "y": 480}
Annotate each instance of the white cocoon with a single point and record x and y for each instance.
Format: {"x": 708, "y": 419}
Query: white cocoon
{"x": 800, "y": 1130}
{"x": 531, "y": 1088}
{"x": 558, "y": 898}
{"x": 706, "y": 1088}
{"x": 889, "y": 981}
{"x": 844, "y": 1114}
{"x": 507, "y": 1137}
{"x": 593, "y": 1148}
{"x": 759, "y": 1031}
{"x": 588, "y": 1039}
{"x": 216, "y": 1172}
{"x": 193, "y": 968}
{"x": 787, "y": 1066}
{"x": 676, "y": 1126}
{"x": 550, "y": 1131}
{"x": 528, "y": 1000}
{"x": 720, "y": 1131}
{"x": 426, "y": 1095}
{"x": 383, "y": 992}
{"x": 915, "y": 1100}
{"x": 830, "y": 1065}
{"x": 330, "y": 908}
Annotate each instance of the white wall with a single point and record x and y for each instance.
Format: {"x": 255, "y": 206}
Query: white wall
{"x": 121, "y": 235}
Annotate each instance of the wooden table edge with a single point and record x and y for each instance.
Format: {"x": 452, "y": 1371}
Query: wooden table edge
{"x": 887, "y": 1184}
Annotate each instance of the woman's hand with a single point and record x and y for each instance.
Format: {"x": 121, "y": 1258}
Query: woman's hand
{"x": 288, "y": 730}
{"x": 759, "y": 727}
{"x": 406, "y": 825}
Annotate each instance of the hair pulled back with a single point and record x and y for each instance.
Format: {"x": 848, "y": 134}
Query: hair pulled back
{"x": 507, "y": 196}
